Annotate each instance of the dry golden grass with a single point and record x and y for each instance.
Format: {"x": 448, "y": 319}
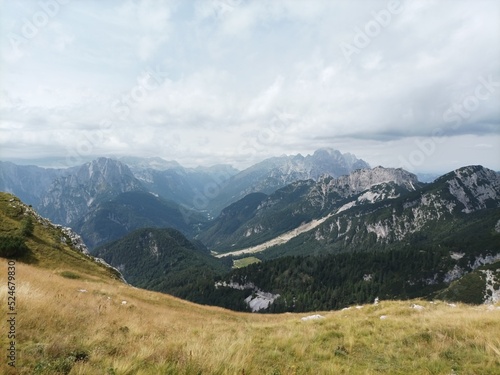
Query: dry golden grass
{"x": 61, "y": 329}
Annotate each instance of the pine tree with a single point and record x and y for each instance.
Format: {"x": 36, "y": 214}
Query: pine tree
{"x": 27, "y": 227}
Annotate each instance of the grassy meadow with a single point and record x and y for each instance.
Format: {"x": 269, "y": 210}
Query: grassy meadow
{"x": 243, "y": 262}
{"x": 73, "y": 324}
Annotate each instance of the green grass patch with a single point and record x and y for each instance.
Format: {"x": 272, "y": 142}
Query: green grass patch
{"x": 70, "y": 275}
{"x": 243, "y": 262}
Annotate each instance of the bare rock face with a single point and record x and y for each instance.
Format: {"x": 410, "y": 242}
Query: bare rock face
{"x": 302, "y": 202}
{"x": 364, "y": 179}
{"x": 275, "y": 173}
{"x": 467, "y": 189}
{"x": 475, "y": 187}
{"x": 72, "y": 196}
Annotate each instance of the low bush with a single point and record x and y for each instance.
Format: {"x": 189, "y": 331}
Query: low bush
{"x": 12, "y": 247}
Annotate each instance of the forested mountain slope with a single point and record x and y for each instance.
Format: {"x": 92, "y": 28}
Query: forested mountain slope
{"x": 301, "y": 202}
{"x": 113, "y": 219}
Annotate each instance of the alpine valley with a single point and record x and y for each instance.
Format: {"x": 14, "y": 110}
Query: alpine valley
{"x": 74, "y": 314}
{"x": 289, "y": 234}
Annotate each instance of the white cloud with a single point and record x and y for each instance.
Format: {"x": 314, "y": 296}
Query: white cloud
{"x": 227, "y": 69}
{"x": 263, "y": 103}
{"x": 150, "y": 21}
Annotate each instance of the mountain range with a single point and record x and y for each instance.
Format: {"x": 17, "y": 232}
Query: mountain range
{"x": 122, "y": 214}
{"x": 301, "y": 202}
{"x": 164, "y": 225}
{"x": 433, "y": 210}
{"x": 274, "y": 173}
{"x": 71, "y": 196}
{"x": 381, "y": 231}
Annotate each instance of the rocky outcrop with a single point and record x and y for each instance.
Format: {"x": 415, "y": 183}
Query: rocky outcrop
{"x": 72, "y": 196}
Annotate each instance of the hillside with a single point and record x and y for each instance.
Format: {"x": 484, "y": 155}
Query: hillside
{"x": 485, "y": 278}
{"x": 114, "y": 218}
{"x": 436, "y": 212}
{"x": 47, "y": 245}
{"x": 116, "y": 329}
{"x": 422, "y": 243}
{"x": 74, "y": 316}
{"x": 171, "y": 181}
{"x": 164, "y": 260}
{"x": 335, "y": 281}
{"x": 301, "y": 202}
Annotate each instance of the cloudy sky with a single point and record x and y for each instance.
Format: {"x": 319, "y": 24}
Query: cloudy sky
{"x": 413, "y": 84}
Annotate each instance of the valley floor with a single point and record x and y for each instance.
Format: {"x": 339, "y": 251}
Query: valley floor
{"x": 92, "y": 325}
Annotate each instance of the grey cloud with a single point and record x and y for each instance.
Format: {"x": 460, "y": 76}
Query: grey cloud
{"x": 228, "y": 72}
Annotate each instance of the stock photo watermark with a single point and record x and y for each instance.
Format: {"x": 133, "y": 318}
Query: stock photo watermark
{"x": 380, "y": 20}
{"x": 250, "y": 147}
{"x": 459, "y": 112}
{"x": 31, "y": 26}
{"x": 147, "y": 81}
{"x": 11, "y": 313}
{"x": 222, "y": 7}
{"x": 266, "y": 136}
{"x": 456, "y": 114}
{"x": 211, "y": 190}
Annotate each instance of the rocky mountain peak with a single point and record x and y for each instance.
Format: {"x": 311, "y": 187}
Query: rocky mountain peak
{"x": 363, "y": 179}
{"x": 333, "y": 162}
{"x": 327, "y": 153}
{"x": 71, "y": 196}
{"x": 156, "y": 163}
{"x": 277, "y": 172}
{"x": 105, "y": 168}
{"x": 475, "y": 187}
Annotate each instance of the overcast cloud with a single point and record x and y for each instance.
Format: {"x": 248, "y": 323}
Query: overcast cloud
{"x": 413, "y": 84}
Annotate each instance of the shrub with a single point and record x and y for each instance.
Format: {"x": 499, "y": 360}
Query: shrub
{"x": 27, "y": 227}
{"x": 12, "y": 247}
{"x": 70, "y": 275}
